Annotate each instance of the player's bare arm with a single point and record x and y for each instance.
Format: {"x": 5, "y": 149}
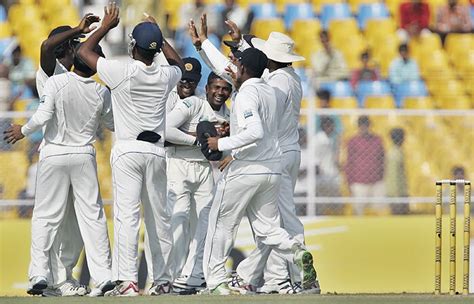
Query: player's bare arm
{"x": 212, "y": 142}
{"x": 234, "y": 31}
{"x": 225, "y": 162}
{"x": 13, "y": 134}
{"x": 47, "y": 57}
{"x": 111, "y": 19}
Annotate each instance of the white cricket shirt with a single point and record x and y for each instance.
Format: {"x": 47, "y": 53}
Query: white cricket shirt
{"x": 69, "y": 112}
{"x": 41, "y": 76}
{"x": 183, "y": 119}
{"x": 253, "y": 123}
{"x": 139, "y": 95}
{"x": 289, "y": 92}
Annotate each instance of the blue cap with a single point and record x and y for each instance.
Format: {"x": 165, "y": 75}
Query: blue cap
{"x": 148, "y": 36}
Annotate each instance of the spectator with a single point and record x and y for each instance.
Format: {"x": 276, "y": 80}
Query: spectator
{"x": 194, "y": 10}
{"x": 324, "y": 97}
{"x": 395, "y": 176}
{"x": 364, "y": 73}
{"x": 414, "y": 19}
{"x": 22, "y": 69}
{"x": 403, "y": 68}
{"x": 329, "y": 63}
{"x": 453, "y": 18}
{"x": 457, "y": 173}
{"x": 328, "y": 180}
{"x": 233, "y": 12}
{"x": 365, "y": 164}
{"x": 5, "y": 88}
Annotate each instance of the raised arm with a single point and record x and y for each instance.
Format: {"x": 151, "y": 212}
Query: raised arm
{"x": 47, "y": 55}
{"x": 86, "y": 51}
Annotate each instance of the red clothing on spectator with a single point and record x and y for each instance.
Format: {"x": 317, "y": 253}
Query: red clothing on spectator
{"x": 365, "y": 159}
{"x": 363, "y": 74}
{"x": 414, "y": 14}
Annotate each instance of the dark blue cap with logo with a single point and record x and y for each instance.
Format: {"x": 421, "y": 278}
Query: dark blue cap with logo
{"x": 148, "y": 36}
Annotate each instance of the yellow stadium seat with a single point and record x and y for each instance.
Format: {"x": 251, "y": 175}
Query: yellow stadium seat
{"x": 380, "y": 102}
{"x": 459, "y": 42}
{"x": 20, "y": 105}
{"x": 433, "y": 60}
{"x": 377, "y": 28}
{"x": 389, "y": 42}
{"x": 16, "y": 164}
{"x": 263, "y": 27}
{"x": 343, "y": 28}
{"x": 318, "y": 4}
{"x": 384, "y": 58}
{"x": 280, "y": 4}
{"x": 461, "y": 102}
{"x": 5, "y": 30}
{"x": 307, "y": 50}
{"x": 246, "y": 3}
{"x": 449, "y": 88}
{"x": 305, "y": 28}
{"x": 344, "y": 103}
{"x": 418, "y": 103}
{"x": 424, "y": 44}
{"x": 354, "y": 4}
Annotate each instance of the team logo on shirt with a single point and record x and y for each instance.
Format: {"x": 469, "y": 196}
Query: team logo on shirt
{"x": 187, "y": 103}
{"x": 248, "y": 113}
{"x": 153, "y": 46}
{"x": 188, "y": 67}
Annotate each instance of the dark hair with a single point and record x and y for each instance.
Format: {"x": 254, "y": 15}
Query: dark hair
{"x": 323, "y": 94}
{"x": 326, "y": 120}
{"x": 403, "y": 47}
{"x": 458, "y": 170}
{"x": 146, "y": 54}
{"x": 363, "y": 120}
{"x": 80, "y": 65}
{"x": 17, "y": 49}
{"x": 324, "y": 33}
{"x": 213, "y": 76}
{"x": 365, "y": 54}
{"x": 397, "y": 135}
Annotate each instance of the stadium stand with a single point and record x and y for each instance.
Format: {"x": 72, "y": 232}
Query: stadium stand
{"x": 355, "y": 26}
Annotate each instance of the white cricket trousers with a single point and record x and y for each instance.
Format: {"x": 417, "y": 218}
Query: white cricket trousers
{"x": 190, "y": 185}
{"x": 139, "y": 175}
{"x": 57, "y": 177}
{"x": 278, "y": 269}
{"x": 67, "y": 246}
{"x": 246, "y": 188}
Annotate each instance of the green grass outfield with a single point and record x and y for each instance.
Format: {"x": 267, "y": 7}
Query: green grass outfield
{"x": 260, "y": 299}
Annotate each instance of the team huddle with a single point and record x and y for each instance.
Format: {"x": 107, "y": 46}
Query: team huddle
{"x": 192, "y": 166}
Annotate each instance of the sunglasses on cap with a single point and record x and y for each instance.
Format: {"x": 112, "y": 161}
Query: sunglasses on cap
{"x": 187, "y": 81}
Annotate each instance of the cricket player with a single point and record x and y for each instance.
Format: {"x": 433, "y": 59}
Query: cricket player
{"x": 140, "y": 90}
{"x": 187, "y": 85}
{"x": 57, "y": 57}
{"x": 190, "y": 178}
{"x": 287, "y": 84}
{"x": 71, "y": 107}
{"x": 249, "y": 184}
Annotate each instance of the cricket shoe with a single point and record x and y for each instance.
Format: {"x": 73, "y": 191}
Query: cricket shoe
{"x": 185, "y": 285}
{"x": 314, "y": 289}
{"x": 123, "y": 289}
{"x": 69, "y": 288}
{"x": 239, "y": 285}
{"x": 304, "y": 260}
{"x": 221, "y": 290}
{"x": 284, "y": 287}
{"x": 160, "y": 289}
{"x": 102, "y": 288}
{"x": 37, "y": 285}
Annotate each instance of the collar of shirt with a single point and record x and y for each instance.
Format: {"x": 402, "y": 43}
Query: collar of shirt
{"x": 250, "y": 81}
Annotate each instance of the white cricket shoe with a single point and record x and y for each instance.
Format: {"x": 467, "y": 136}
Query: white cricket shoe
{"x": 284, "y": 287}
{"x": 185, "y": 285}
{"x": 221, "y": 290}
{"x": 160, "y": 289}
{"x": 239, "y": 285}
{"x": 124, "y": 289}
{"x": 69, "y": 288}
{"x": 102, "y": 288}
{"x": 37, "y": 285}
{"x": 313, "y": 289}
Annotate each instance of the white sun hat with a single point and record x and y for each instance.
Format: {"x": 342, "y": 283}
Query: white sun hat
{"x": 279, "y": 47}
